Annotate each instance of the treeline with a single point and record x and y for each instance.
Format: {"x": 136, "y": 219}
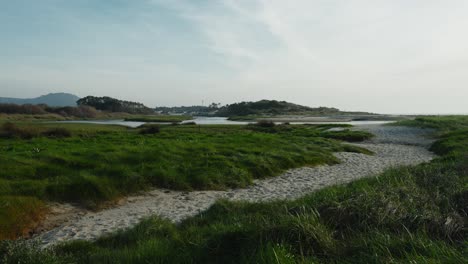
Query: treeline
{"x": 271, "y": 107}
{"x": 193, "y": 110}
{"x": 110, "y": 104}
{"x": 88, "y": 107}
{"x": 82, "y": 111}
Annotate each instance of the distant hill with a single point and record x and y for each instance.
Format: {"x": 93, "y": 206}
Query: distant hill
{"x": 274, "y": 108}
{"x": 110, "y": 104}
{"x": 52, "y": 99}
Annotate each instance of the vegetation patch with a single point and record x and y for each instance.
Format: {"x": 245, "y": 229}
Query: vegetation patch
{"x": 149, "y": 129}
{"x": 114, "y": 105}
{"x": 159, "y": 118}
{"x": 348, "y": 135}
{"x": 441, "y": 123}
{"x": 19, "y": 215}
{"x": 11, "y": 130}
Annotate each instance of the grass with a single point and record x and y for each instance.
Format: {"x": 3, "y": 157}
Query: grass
{"x": 159, "y": 118}
{"x": 89, "y": 164}
{"x": 10, "y": 130}
{"x": 246, "y": 118}
{"x": 347, "y": 135}
{"x": 452, "y": 132}
{"x": 99, "y": 116}
{"x": 26, "y": 117}
{"x": 19, "y": 215}
{"x": 405, "y": 215}
{"x": 441, "y": 123}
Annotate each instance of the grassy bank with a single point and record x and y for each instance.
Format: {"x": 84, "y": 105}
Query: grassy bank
{"x": 406, "y": 215}
{"x": 89, "y": 164}
{"x": 159, "y": 118}
{"x": 441, "y": 123}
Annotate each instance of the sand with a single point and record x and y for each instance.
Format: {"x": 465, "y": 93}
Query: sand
{"x": 393, "y": 146}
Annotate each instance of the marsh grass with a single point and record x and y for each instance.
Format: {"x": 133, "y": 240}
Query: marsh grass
{"x": 405, "y": 215}
{"x": 19, "y": 215}
{"x": 149, "y": 129}
{"x": 441, "y": 123}
{"x": 11, "y": 130}
{"x": 159, "y": 118}
{"x": 91, "y": 164}
{"x": 394, "y": 218}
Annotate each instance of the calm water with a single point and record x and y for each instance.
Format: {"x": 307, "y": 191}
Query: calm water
{"x": 210, "y": 121}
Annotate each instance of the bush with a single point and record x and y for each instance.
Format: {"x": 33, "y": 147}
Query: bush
{"x": 19, "y": 215}
{"x": 348, "y": 135}
{"x": 22, "y": 109}
{"x": 149, "y": 129}
{"x": 266, "y": 126}
{"x": 265, "y": 123}
{"x": 10, "y": 130}
{"x": 191, "y": 123}
{"x": 58, "y": 132}
{"x": 82, "y": 111}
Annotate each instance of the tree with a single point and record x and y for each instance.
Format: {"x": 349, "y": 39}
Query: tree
{"x": 114, "y": 105}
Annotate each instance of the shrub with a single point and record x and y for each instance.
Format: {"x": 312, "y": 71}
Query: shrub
{"x": 265, "y": 126}
{"x": 10, "y": 130}
{"x": 19, "y": 215}
{"x": 265, "y": 123}
{"x": 58, "y": 132}
{"x": 22, "y": 109}
{"x": 348, "y": 135}
{"x": 191, "y": 123}
{"x": 149, "y": 129}
{"x": 82, "y": 111}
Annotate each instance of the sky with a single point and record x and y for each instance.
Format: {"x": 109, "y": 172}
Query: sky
{"x": 384, "y": 56}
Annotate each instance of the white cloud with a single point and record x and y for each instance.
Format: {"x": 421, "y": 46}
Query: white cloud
{"x": 351, "y": 54}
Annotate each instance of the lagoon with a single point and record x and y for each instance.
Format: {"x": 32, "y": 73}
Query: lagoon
{"x": 201, "y": 120}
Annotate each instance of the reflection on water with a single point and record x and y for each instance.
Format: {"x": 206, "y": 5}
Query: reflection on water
{"x": 201, "y": 120}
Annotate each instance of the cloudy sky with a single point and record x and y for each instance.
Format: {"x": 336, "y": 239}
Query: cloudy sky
{"x": 392, "y": 56}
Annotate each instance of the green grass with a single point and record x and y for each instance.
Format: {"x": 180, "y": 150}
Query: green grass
{"x": 452, "y": 132}
{"x": 405, "y": 215}
{"x": 246, "y": 118}
{"x": 441, "y": 123}
{"x": 347, "y": 135}
{"x": 159, "y": 118}
{"x": 101, "y": 163}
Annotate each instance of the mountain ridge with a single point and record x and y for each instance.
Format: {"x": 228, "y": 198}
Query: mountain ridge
{"x": 51, "y": 99}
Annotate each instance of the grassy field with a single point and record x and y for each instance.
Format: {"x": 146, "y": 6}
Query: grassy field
{"x": 89, "y": 164}
{"x": 406, "y": 215}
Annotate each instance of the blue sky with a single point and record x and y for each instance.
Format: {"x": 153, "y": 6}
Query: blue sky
{"x": 373, "y": 55}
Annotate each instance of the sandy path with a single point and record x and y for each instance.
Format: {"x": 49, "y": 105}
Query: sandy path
{"x": 393, "y": 146}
